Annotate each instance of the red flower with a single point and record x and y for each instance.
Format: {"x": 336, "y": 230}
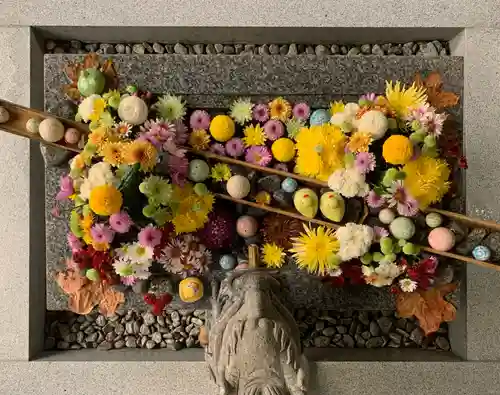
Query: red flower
{"x": 150, "y": 298}
{"x": 395, "y": 290}
{"x": 160, "y": 303}
{"x": 423, "y": 272}
{"x": 351, "y": 274}
{"x": 338, "y": 281}
{"x": 462, "y": 162}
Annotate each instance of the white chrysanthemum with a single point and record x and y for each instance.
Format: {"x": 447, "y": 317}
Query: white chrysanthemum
{"x": 348, "y": 182}
{"x": 355, "y": 240}
{"x": 139, "y": 254}
{"x": 123, "y": 267}
{"x": 141, "y": 270}
{"x": 171, "y": 108}
{"x": 99, "y": 174}
{"x": 86, "y": 107}
{"x": 335, "y": 273}
{"x": 383, "y": 275}
{"x": 293, "y": 127}
{"x": 346, "y": 118}
{"x": 241, "y": 111}
{"x": 407, "y": 285}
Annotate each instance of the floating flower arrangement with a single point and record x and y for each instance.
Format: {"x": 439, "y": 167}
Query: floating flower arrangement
{"x": 145, "y": 184}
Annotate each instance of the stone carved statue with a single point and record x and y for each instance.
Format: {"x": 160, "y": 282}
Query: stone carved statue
{"x": 253, "y": 341}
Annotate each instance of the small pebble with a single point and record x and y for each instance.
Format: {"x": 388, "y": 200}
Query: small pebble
{"x": 4, "y": 115}
{"x": 180, "y": 49}
{"x": 158, "y": 48}
{"x": 138, "y": 49}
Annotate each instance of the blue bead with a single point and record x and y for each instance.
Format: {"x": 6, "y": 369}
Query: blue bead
{"x": 289, "y": 185}
{"x": 481, "y": 253}
{"x": 227, "y": 262}
{"x": 319, "y": 117}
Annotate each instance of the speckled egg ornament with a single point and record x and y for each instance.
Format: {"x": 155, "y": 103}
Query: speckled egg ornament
{"x": 319, "y": 117}
{"x": 481, "y": 253}
{"x": 51, "y": 130}
{"x": 227, "y": 262}
{"x": 289, "y": 185}
{"x": 247, "y": 226}
{"x": 238, "y": 187}
{"x": 441, "y": 239}
{"x": 4, "y": 115}
{"x": 402, "y": 228}
{"x": 386, "y": 216}
{"x": 133, "y": 110}
{"x": 433, "y": 220}
{"x": 72, "y": 136}
{"x": 32, "y": 125}
{"x": 191, "y": 289}
{"x": 198, "y": 170}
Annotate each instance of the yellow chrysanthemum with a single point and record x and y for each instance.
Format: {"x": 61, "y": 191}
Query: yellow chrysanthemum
{"x": 101, "y": 135}
{"x": 359, "y": 142}
{"x": 191, "y": 211}
{"x": 320, "y": 151}
{"x": 263, "y": 197}
{"x": 105, "y": 200}
{"x": 221, "y": 172}
{"x": 254, "y": 135}
{"x": 86, "y": 222}
{"x": 427, "y": 180}
{"x": 272, "y": 255}
{"x": 142, "y": 152}
{"x": 402, "y": 100}
{"x": 112, "y": 153}
{"x": 280, "y": 109}
{"x": 78, "y": 161}
{"x": 397, "y": 150}
{"x": 199, "y": 139}
{"x": 336, "y": 106}
{"x": 316, "y": 249}
{"x": 99, "y": 105}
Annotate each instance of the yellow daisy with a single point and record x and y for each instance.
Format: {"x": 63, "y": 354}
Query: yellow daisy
{"x": 316, "y": 249}
{"x": 359, "y": 142}
{"x": 112, "y": 153}
{"x": 272, "y": 255}
{"x": 254, "y": 135}
{"x": 402, "y": 100}
{"x": 280, "y": 109}
{"x": 142, "y": 152}
{"x": 336, "y": 106}
{"x": 199, "y": 139}
{"x": 191, "y": 211}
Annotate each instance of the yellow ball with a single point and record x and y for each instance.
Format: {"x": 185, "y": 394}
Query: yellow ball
{"x": 105, "y": 200}
{"x": 283, "y": 149}
{"x": 397, "y": 150}
{"x": 222, "y": 128}
{"x": 191, "y": 290}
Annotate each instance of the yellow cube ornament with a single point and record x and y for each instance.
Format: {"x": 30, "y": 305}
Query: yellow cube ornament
{"x": 191, "y": 289}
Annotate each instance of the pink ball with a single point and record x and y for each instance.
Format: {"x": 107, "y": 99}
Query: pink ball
{"x": 72, "y": 136}
{"x": 241, "y": 266}
{"x": 441, "y": 239}
{"x": 247, "y": 226}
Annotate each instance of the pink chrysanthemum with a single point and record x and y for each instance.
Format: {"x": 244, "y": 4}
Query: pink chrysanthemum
{"x": 260, "y": 112}
{"x": 150, "y": 236}
{"x": 274, "y": 129}
{"x": 218, "y": 149}
{"x": 102, "y": 233}
{"x": 181, "y": 132}
{"x": 199, "y": 120}
{"x": 365, "y": 162}
{"x": 399, "y": 197}
{"x": 66, "y": 188}
{"x": 178, "y": 169}
{"x": 380, "y": 232}
{"x": 185, "y": 255}
{"x": 120, "y": 222}
{"x": 281, "y": 166}
{"x": 369, "y": 97}
{"x": 258, "y": 155}
{"x": 301, "y": 111}
{"x": 157, "y": 132}
{"x": 374, "y": 200}
{"x": 128, "y": 280}
{"x": 74, "y": 243}
{"x": 235, "y": 147}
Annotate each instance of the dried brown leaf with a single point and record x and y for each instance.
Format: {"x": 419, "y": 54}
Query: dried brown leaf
{"x": 109, "y": 71}
{"x": 72, "y": 71}
{"x": 433, "y": 85}
{"x": 429, "y": 307}
{"x": 70, "y": 281}
{"x": 91, "y": 61}
{"x": 82, "y": 302}
{"x": 72, "y": 92}
{"x": 110, "y": 300}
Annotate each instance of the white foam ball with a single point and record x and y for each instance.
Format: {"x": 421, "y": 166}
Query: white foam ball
{"x": 51, "y": 130}
{"x": 32, "y": 125}
{"x": 133, "y": 110}
{"x": 238, "y": 187}
{"x": 386, "y": 216}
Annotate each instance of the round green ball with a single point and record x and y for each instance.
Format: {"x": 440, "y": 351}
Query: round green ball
{"x": 433, "y": 220}
{"x": 198, "y": 170}
{"x": 92, "y": 275}
{"x": 402, "y": 228}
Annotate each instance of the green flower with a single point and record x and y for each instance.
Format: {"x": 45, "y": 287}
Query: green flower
{"x": 74, "y": 224}
{"x": 171, "y": 108}
{"x": 112, "y": 98}
{"x": 158, "y": 190}
{"x": 241, "y": 111}
{"x": 293, "y": 127}
{"x": 162, "y": 216}
{"x": 221, "y": 172}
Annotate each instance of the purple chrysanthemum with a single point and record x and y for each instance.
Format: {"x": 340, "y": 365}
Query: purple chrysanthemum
{"x": 235, "y": 147}
{"x": 181, "y": 132}
{"x": 365, "y": 162}
{"x": 102, "y": 233}
{"x": 178, "y": 169}
{"x": 301, "y": 111}
{"x": 260, "y": 112}
{"x": 374, "y": 200}
{"x": 157, "y": 132}
{"x": 128, "y": 280}
{"x": 199, "y": 120}
{"x": 74, "y": 242}
{"x": 218, "y": 149}
{"x": 399, "y": 197}
{"x": 380, "y": 232}
{"x": 274, "y": 129}
{"x": 369, "y": 97}
{"x": 258, "y": 155}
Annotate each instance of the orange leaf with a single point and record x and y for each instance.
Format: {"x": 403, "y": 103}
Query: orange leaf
{"x": 72, "y": 92}
{"x": 429, "y": 307}
{"x": 109, "y": 71}
{"x": 91, "y": 61}
{"x": 110, "y": 300}
{"x": 82, "y": 302}
{"x": 433, "y": 85}
{"x": 72, "y": 71}
{"x": 70, "y": 281}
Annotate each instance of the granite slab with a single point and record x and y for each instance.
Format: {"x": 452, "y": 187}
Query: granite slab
{"x": 213, "y": 82}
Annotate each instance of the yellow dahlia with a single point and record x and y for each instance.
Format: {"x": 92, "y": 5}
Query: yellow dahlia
{"x": 254, "y": 135}
{"x": 105, "y": 200}
{"x": 402, "y": 100}
{"x": 199, "y": 139}
{"x": 272, "y": 255}
{"x": 142, "y": 152}
{"x": 359, "y": 142}
{"x": 191, "y": 211}
{"x": 320, "y": 151}
{"x": 397, "y": 150}
{"x": 112, "y": 153}
{"x": 336, "y": 106}
{"x": 280, "y": 109}
{"x": 427, "y": 180}
{"x": 316, "y": 249}
{"x": 101, "y": 135}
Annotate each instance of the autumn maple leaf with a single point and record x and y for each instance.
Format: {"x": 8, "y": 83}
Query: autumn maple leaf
{"x": 433, "y": 85}
{"x": 429, "y": 306}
